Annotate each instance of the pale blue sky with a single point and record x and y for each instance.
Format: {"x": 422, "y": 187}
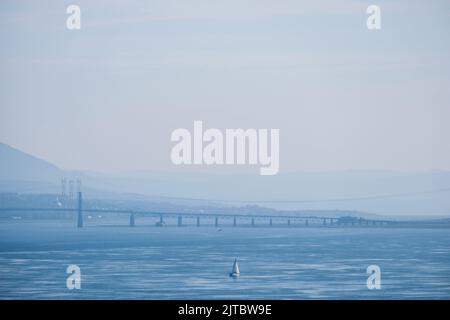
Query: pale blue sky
{"x": 107, "y": 97}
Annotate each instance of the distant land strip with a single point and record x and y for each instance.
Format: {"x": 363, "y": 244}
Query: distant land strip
{"x": 372, "y": 197}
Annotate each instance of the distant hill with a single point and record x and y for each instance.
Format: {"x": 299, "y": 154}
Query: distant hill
{"x": 16, "y": 165}
{"x": 378, "y": 192}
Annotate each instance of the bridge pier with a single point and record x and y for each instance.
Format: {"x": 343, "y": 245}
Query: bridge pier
{"x": 306, "y": 222}
{"x": 80, "y": 212}
{"x": 324, "y": 221}
{"x": 180, "y": 221}
{"x": 234, "y": 222}
{"x": 253, "y": 222}
{"x": 289, "y": 222}
{"x": 132, "y": 220}
{"x": 216, "y": 224}
{"x": 161, "y": 221}
{"x": 198, "y": 221}
{"x": 270, "y": 222}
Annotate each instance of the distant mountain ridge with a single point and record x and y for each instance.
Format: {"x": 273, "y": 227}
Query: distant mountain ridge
{"x": 17, "y": 165}
{"x": 379, "y": 192}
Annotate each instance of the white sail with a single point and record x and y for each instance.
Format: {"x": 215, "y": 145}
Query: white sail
{"x": 235, "y": 267}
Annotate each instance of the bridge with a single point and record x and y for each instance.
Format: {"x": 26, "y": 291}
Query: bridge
{"x": 232, "y": 219}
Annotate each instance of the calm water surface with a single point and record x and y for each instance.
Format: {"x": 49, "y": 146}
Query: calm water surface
{"x": 146, "y": 262}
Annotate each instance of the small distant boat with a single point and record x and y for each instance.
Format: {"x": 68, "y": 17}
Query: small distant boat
{"x": 235, "y": 273}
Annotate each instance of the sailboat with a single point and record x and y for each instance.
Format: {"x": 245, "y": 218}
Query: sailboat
{"x": 235, "y": 273}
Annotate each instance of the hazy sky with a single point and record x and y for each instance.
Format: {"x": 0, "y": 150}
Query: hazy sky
{"x": 108, "y": 96}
